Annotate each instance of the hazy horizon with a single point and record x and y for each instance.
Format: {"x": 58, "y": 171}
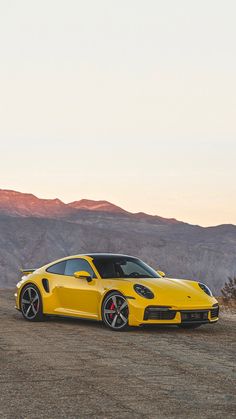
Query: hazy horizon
{"x": 102, "y": 200}
{"x": 131, "y": 102}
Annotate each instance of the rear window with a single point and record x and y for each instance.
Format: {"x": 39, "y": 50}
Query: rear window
{"x": 57, "y": 268}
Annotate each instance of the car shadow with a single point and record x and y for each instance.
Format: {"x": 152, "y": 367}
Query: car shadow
{"x": 154, "y": 328}
{"x": 94, "y": 324}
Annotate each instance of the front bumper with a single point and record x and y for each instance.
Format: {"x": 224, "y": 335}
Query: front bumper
{"x": 172, "y": 315}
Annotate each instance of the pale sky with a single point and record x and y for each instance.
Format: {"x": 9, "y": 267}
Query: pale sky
{"x": 130, "y": 101}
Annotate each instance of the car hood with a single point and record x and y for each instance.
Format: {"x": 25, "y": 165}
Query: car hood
{"x": 173, "y": 292}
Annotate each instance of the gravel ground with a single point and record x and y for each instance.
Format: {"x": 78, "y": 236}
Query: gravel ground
{"x": 78, "y": 369}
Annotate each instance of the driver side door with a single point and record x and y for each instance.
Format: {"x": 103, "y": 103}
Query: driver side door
{"x": 76, "y": 295}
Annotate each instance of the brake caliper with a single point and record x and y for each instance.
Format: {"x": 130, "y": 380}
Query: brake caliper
{"x": 112, "y": 308}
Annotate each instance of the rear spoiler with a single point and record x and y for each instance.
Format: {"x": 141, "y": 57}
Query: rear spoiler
{"x": 27, "y": 271}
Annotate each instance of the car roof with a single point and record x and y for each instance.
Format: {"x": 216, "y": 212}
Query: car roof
{"x": 94, "y": 256}
{"x": 107, "y": 255}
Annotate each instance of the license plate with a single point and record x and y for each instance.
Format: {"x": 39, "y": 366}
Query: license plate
{"x": 195, "y": 315}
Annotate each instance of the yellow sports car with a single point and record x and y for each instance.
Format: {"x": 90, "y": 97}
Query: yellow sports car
{"x": 117, "y": 289}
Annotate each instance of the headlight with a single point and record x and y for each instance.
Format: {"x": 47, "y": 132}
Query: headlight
{"x": 143, "y": 291}
{"x": 205, "y": 289}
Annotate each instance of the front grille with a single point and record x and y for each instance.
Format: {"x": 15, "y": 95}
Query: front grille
{"x": 194, "y": 316}
{"x": 159, "y": 313}
{"x": 215, "y": 312}
{"x": 187, "y": 316}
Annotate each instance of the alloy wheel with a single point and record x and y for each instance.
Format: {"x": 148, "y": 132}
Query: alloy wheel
{"x": 30, "y": 303}
{"x": 116, "y": 312}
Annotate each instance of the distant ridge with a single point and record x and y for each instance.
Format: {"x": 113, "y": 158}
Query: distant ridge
{"x": 91, "y": 205}
{"x": 28, "y": 205}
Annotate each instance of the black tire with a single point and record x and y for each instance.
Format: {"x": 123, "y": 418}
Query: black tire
{"x": 189, "y": 326}
{"x": 115, "y": 312}
{"x": 31, "y": 303}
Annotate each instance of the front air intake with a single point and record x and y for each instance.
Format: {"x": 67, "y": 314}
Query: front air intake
{"x": 159, "y": 313}
{"x": 215, "y": 312}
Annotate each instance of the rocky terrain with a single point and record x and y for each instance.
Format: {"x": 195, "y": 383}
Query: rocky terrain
{"x": 35, "y": 231}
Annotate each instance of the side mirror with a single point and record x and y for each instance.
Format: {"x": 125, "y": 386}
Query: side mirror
{"x": 83, "y": 275}
{"x": 162, "y": 274}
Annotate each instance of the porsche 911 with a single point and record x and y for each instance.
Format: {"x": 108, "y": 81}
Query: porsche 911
{"x": 118, "y": 290}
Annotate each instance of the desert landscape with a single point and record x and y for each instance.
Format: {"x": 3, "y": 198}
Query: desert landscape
{"x": 74, "y": 368}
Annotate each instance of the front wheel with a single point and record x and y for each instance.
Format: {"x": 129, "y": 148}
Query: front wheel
{"x": 31, "y": 303}
{"x": 115, "y": 311}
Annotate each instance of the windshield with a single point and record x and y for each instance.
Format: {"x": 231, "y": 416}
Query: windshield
{"x": 123, "y": 267}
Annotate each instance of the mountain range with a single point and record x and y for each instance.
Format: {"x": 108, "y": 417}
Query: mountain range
{"x": 34, "y": 231}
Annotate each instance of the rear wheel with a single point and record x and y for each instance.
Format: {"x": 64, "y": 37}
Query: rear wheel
{"x": 115, "y": 311}
{"x": 189, "y": 326}
{"x": 31, "y": 303}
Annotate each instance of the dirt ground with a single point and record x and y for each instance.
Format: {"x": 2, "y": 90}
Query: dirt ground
{"x": 78, "y": 369}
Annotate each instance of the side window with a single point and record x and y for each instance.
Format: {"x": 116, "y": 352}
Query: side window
{"x": 75, "y": 265}
{"x": 57, "y": 268}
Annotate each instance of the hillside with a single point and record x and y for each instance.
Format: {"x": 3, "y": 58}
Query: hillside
{"x": 33, "y": 232}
